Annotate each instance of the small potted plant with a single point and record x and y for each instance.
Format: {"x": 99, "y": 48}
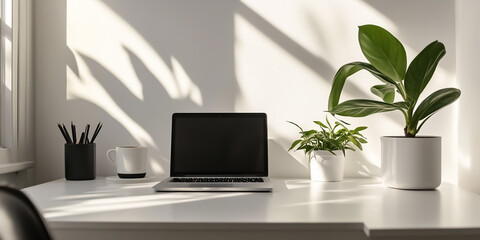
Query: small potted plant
{"x": 409, "y": 162}
{"x": 325, "y": 148}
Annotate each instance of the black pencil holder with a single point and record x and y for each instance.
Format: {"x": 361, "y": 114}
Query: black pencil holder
{"x": 80, "y": 161}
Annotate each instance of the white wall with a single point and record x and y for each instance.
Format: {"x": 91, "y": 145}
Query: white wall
{"x": 468, "y": 36}
{"x": 131, "y": 64}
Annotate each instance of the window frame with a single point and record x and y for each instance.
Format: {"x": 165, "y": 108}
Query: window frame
{"x": 16, "y": 98}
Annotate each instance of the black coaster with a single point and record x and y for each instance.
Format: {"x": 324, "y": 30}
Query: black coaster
{"x": 131, "y": 175}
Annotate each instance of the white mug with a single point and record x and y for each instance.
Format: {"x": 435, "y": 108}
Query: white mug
{"x": 131, "y": 161}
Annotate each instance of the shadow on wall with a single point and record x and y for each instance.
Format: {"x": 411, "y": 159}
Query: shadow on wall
{"x": 320, "y": 66}
{"x": 282, "y": 164}
{"x": 430, "y": 28}
{"x": 139, "y": 65}
{"x": 162, "y": 50}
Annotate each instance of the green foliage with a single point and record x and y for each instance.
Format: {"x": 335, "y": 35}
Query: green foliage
{"x": 388, "y": 63}
{"x": 329, "y": 138}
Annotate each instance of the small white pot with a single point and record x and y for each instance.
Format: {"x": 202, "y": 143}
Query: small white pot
{"x": 326, "y": 167}
{"x": 412, "y": 163}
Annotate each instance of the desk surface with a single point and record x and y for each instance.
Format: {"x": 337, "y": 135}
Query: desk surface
{"x": 352, "y": 204}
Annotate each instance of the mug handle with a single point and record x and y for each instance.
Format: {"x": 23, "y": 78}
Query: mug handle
{"x": 108, "y": 156}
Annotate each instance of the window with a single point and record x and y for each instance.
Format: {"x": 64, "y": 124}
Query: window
{"x": 16, "y": 116}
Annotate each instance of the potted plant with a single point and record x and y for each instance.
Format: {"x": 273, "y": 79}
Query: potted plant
{"x": 326, "y": 148}
{"x": 408, "y": 162}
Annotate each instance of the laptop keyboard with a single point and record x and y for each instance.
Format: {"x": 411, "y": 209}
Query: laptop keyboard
{"x": 218, "y": 179}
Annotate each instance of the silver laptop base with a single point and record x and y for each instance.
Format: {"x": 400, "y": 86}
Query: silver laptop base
{"x": 168, "y": 186}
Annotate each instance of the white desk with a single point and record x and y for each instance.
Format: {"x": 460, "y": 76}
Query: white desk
{"x": 297, "y": 209}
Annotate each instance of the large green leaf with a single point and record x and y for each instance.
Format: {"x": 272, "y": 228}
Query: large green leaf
{"x": 422, "y": 68}
{"x": 385, "y": 52}
{"x": 347, "y": 70}
{"x": 403, "y": 105}
{"x": 432, "y": 104}
{"x": 386, "y": 92}
{"x": 362, "y": 108}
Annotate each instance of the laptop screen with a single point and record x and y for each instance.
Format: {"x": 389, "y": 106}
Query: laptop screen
{"x": 219, "y": 144}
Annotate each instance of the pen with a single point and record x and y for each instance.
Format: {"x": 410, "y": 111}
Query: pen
{"x": 69, "y": 140}
{"x": 74, "y": 134}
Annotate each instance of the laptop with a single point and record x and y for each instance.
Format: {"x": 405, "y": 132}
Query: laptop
{"x": 218, "y": 152}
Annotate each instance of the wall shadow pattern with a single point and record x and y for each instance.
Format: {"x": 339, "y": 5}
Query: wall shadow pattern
{"x": 207, "y": 59}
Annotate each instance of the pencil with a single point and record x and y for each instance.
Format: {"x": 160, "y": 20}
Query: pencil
{"x": 69, "y": 140}
{"x": 97, "y": 129}
{"x": 74, "y": 133}
{"x": 81, "y": 138}
{"x": 63, "y": 133}
{"x": 87, "y": 128}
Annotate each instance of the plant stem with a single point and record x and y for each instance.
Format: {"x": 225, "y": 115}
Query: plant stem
{"x": 408, "y": 133}
{"x": 403, "y": 92}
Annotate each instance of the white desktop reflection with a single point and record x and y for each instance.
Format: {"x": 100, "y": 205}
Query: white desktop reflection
{"x": 361, "y": 205}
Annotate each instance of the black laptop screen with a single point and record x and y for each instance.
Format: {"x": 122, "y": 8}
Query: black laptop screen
{"x": 219, "y": 144}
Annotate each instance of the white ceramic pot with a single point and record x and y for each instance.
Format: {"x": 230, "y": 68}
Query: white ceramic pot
{"x": 412, "y": 163}
{"x": 327, "y": 167}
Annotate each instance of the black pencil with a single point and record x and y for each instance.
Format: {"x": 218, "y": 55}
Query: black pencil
{"x": 97, "y": 129}
{"x": 63, "y": 133}
{"x": 74, "y": 133}
{"x": 69, "y": 140}
{"x": 87, "y": 128}
{"x": 81, "y": 138}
